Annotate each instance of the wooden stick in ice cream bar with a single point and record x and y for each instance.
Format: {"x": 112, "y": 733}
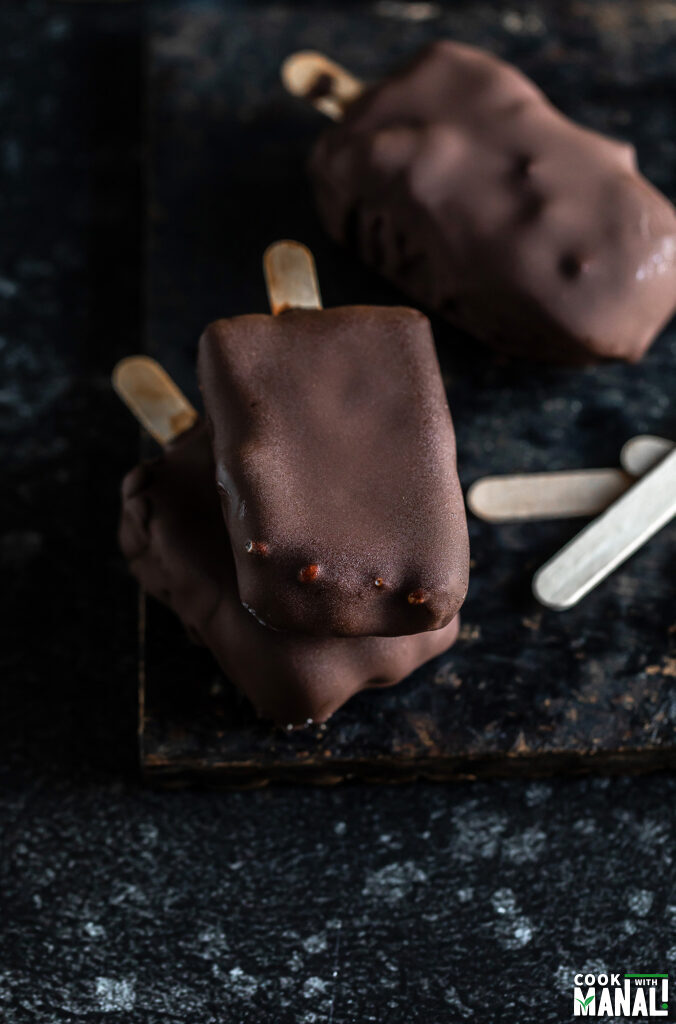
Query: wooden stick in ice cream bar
{"x": 323, "y": 83}
{"x": 290, "y": 277}
{"x": 156, "y": 402}
{"x": 610, "y": 539}
{"x": 148, "y": 390}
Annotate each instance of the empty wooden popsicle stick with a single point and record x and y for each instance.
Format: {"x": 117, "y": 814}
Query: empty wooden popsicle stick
{"x": 290, "y": 277}
{"x": 556, "y": 495}
{"x": 610, "y": 539}
{"x": 320, "y": 81}
{"x": 642, "y": 452}
{"x": 150, "y": 393}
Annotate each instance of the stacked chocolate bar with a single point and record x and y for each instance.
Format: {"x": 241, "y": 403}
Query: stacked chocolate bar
{"x": 312, "y": 532}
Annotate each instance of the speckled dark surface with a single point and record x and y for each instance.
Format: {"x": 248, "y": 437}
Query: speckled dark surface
{"x": 422, "y": 904}
{"x": 524, "y": 689}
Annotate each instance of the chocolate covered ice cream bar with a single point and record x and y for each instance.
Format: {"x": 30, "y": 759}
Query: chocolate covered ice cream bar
{"x": 459, "y": 181}
{"x": 173, "y": 536}
{"x": 336, "y": 467}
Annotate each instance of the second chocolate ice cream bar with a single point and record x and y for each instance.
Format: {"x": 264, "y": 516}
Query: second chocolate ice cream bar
{"x": 335, "y": 461}
{"x": 459, "y": 181}
{"x": 173, "y": 536}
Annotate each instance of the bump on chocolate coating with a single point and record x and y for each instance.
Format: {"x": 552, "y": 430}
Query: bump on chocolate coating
{"x": 187, "y": 563}
{"x": 333, "y": 442}
{"x": 459, "y": 181}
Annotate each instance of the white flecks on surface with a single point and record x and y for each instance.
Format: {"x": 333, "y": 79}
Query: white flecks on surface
{"x": 537, "y": 793}
{"x": 584, "y": 826}
{"x": 315, "y": 943}
{"x": 115, "y": 994}
{"x": 295, "y": 962}
{"x": 640, "y": 901}
{"x": 453, "y": 999}
{"x": 314, "y": 987}
{"x": 563, "y": 976}
{"x": 148, "y": 833}
{"x": 525, "y": 846}
{"x": 513, "y": 929}
{"x": 241, "y": 984}
{"x": 126, "y": 892}
{"x": 393, "y": 882}
{"x": 478, "y": 833}
{"x": 213, "y": 942}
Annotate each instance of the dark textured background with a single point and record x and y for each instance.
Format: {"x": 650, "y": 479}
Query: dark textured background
{"x": 427, "y": 903}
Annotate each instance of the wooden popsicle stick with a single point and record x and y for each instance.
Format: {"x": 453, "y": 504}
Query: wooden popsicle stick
{"x": 642, "y": 452}
{"x": 156, "y": 402}
{"x": 557, "y": 495}
{"x": 290, "y": 277}
{"x": 323, "y": 83}
{"x": 610, "y": 539}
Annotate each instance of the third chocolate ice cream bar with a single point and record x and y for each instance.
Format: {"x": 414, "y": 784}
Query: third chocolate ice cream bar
{"x": 459, "y": 181}
{"x": 335, "y": 461}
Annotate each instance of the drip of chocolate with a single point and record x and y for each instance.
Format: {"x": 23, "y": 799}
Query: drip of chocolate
{"x": 459, "y": 181}
{"x": 335, "y": 450}
{"x": 173, "y": 536}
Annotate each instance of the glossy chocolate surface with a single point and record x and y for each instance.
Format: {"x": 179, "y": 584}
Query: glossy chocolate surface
{"x": 460, "y": 182}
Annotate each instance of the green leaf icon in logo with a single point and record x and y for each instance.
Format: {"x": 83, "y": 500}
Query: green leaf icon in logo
{"x": 585, "y": 1002}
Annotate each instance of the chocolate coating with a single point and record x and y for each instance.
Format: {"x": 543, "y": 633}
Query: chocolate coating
{"x": 334, "y": 449}
{"x": 459, "y": 181}
{"x": 173, "y": 536}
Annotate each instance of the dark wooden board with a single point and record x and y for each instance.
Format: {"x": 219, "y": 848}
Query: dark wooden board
{"x": 524, "y": 690}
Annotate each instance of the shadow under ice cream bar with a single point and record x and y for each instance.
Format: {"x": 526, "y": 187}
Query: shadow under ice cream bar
{"x": 459, "y": 181}
{"x": 173, "y": 536}
{"x": 335, "y": 461}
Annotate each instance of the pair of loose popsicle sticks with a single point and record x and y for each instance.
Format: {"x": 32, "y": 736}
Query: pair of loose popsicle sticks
{"x": 565, "y": 494}
{"x": 610, "y": 539}
{"x": 329, "y": 87}
{"x": 147, "y": 389}
{"x": 634, "y": 512}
